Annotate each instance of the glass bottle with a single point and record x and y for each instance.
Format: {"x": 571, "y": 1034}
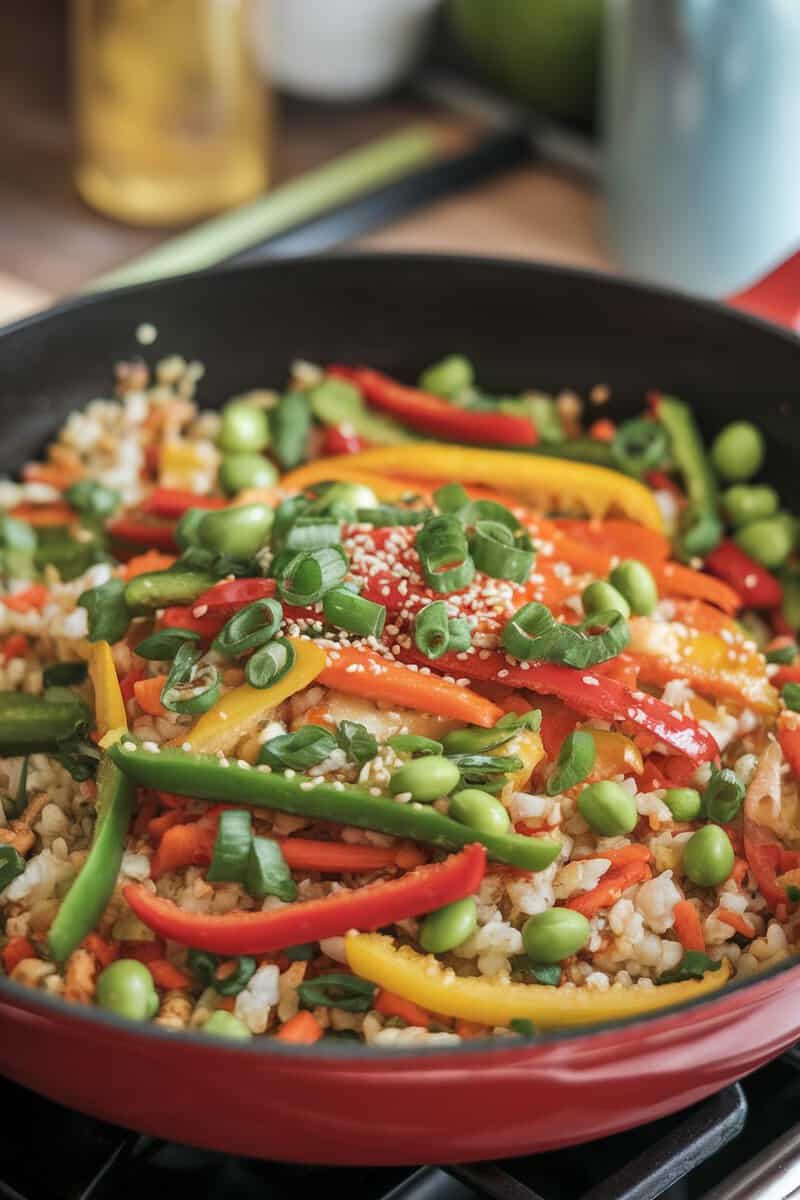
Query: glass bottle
{"x": 170, "y": 109}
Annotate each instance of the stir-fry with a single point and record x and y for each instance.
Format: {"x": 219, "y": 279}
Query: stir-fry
{"x": 396, "y": 714}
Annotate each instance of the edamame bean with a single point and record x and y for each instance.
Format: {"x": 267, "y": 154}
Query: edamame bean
{"x": 479, "y": 810}
{"x": 684, "y": 803}
{"x": 448, "y": 927}
{"x": 769, "y": 541}
{"x": 239, "y": 532}
{"x": 240, "y": 471}
{"x": 243, "y": 428}
{"x": 447, "y": 378}
{"x": 737, "y": 451}
{"x": 225, "y": 1024}
{"x": 602, "y": 597}
{"x": 708, "y": 856}
{"x": 126, "y": 988}
{"x": 723, "y": 796}
{"x": 343, "y": 499}
{"x": 608, "y": 808}
{"x": 553, "y": 935}
{"x": 426, "y": 779}
{"x": 635, "y": 581}
{"x": 744, "y": 503}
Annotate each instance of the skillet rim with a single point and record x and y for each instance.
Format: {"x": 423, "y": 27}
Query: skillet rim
{"x": 345, "y": 1052}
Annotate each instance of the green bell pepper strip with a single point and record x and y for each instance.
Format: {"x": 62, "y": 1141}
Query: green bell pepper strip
{"x": 92, "y": 890}
{"x": 701, "y": 528}
{"x": 205, "y": 777}
{"x": 161, "y": 589}
{"x": 34, "y": 724}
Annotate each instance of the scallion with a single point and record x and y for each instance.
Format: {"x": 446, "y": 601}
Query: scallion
{"x": 64, "y": 674}
{"x": 163, "y": 645}
{"x": 356, "y": 614}
{"x": 231, "y": 852}
{"x": 108, "y": 612}
{"x": 309, "y": 574}
{"x": 268, "y": 873}
{"x": 312, "y": 533}
{"x": 337, "y": 991}
{"x": 533, "y": 633}
{"x": 270, "y": 663}
{"x": 248, "y": 629}
{"x": 432, "y": 629}
{"x": 414, "y": 743}
{"x": 497, "y": 553}
{"x": 388, "y": 515}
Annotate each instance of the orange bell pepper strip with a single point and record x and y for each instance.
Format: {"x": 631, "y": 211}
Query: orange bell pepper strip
{"x": 54, "y": 474}
{"x": 185, "y": 845}
{"x": 391, "y": 1005}
{"x": 143, "y": 564}
{"x": 364, "y": 673}
{"x": 158, "y": 826}
{"x": 371, "y": 907}
{"x": 688, "y": 926}
{"x": 724, "y": 668}
{"x": 166, "y": 975}
{"x": 148, "y": 695}
{"x": 612, "y": 885}
{"x": 303, "y": 1029}
{"x": 619, "y": 539}
{"x": 615, "y": 754}
{"x": 673, "y": 579}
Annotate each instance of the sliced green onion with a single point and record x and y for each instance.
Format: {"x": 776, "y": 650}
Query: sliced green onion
{"x": 290, "y": 423}
{"x": 474, "y": 740}
{"x": 640, "y": 445}
{"x": 232, "y": 847}
{"x": 451, "y": 498}
{"x": 575, "y": 761}
{"x": 414, "y": 743}
{"x": 342, "y": 499}
{"x": 251, "y": 627}
{"x": 444, "y": 554}
{"x": 533, "y": 633}
{"x": 388, "y": 515}
{"x": 790, "y": 695}
{"x": 308, "y": 575}
{"x": 108, "y": 613}
{"x": 432, "y": 629}
{"x": 64, "y": 674}
{"x": 287, "y": 512}
{"x": 206, "y": 965}
{"x": 12, "y": 864}
{"x": 268, "y": 873}
{"x": 337, "y": 991}
{"x": 723, "y": 796}
{"x": 306, "y": 747}
{"x": 312, "y": 533}
{"x": 785, "y": 655}
{"x": 496, "y": 552}
{"x": 195, "y": 695}
{"x": 491, "y": 510}
{"x": 459, "y": 635}
{"x": 163, "y": 645}
{"x": 356, "y": 614}
{"x": 270, "y": 663}
{"x": 357, "y": 742}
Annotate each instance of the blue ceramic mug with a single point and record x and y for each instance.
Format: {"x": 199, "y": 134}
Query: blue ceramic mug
{"x": 701, "y": 122}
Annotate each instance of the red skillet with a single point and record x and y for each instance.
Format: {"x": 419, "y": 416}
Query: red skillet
{"x": 523, "y": 325}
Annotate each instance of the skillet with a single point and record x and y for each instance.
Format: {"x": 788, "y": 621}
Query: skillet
{"x": 522, "y": 324}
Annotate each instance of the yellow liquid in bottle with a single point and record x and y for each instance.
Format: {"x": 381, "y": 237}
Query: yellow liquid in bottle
{"x": 169, "y": 108}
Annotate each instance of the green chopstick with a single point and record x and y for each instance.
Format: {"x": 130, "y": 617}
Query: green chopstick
{"x": 351, "y": 175}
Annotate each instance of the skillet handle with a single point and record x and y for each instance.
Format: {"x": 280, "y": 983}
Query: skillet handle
{"x": 776, "y": 296}
{"x": 774, "y": 1174}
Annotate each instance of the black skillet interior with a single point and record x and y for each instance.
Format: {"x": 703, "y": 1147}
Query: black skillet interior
{"x": 524, "y": 325}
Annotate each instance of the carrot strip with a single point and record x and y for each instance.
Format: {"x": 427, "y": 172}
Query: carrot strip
{"x": 615, "y": 881}
{"x": 148, "y": 695}
{"x": 301, "y": 1030}
{"x": 184, "y": 846}
{"x": 33, "y": 597}
{"x": 44, "y": 514}
{"x": 618, "y": 538}
{"x": 105, "y": 952}
{"x": 143, "y": 952}
{"x": 688, "y": 927}
{"x": 158, "y": 826}
{"x": 635, "y": 853}
{"x": 673, "y": 579}
{"x": 15, "y": 949}
{"x": 391, "y": 1005}
{"x": 59, "y": 477}
{"x": 142, "y": 564}
{"x": 736, "y": 921}
{"x": 303, "y": 854}
{"x": 360, "y": 673}
{"x": 165, "y": 975}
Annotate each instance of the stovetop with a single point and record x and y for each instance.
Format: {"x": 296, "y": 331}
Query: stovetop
{"x": 50, "y": 1153}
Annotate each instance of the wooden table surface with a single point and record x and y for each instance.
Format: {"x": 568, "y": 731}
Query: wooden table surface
{"x": 51, "y": 242}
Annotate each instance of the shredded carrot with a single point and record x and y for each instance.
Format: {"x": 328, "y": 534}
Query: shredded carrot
{"x": 33, "y": 597}
{"x": 673, "y": 579}
{"x": 635, "y": 853}
{"x": 143, "y": 952}
{"x": 736, "y": 921}
{"x": 158, "y": 826}
{"x": 391, "y": 1005}
{"x": 303, "y": 854}
{"x": 165, "y": 975}
{"x": 610, "y": 888}
{"x": 142, "y": 564}
{"x": 301, "y": 1030}
{"x": 15, "y": 949}
{"x": 105, "y": 952}
{"x": 688, "y": 927}
{"x": 59, "y": 477}
{"x": 362, "y": 673}
{"x": 148, "y": 695}
{"x": 15, "y": 646}
{"x": 44, "y": 514}
{"x": 183, "y": 846}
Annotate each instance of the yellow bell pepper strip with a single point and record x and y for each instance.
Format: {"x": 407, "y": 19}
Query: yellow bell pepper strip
{"x": 727, "y": 667}
{"x": 187, "y": 465}
{"x": 526, "y": 746}
{"x": 237, "y": 713}
{"x": 108, "y": 703}
{"x": 615, "y": 754}
{"x": 423, "y": 980}
{"x": 545, "y": 483}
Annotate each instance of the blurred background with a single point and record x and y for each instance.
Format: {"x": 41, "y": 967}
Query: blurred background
{"x": 140, "y": 138}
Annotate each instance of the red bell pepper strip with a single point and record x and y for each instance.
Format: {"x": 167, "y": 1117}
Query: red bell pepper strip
{"x": 229, "y": 595}
{"x": 755, "y": 585}
{"x": 590, "y": 693}
{"x": 337, "y": 439}
{"x": 172, "y": 503}
{"x": 430, "y": 414}
{"x": 790, "y": 674}
{"x": 129, "y": 681}
{"x": 789, "y": 739}
{"x": 367, "y": 908}
{"x": 182, "y": 617}
{"x": 153, "y": 535}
